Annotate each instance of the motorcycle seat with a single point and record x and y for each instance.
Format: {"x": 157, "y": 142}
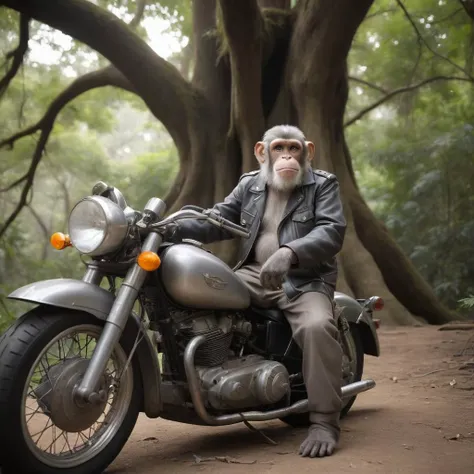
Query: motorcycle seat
{"x": 274, "y": 314}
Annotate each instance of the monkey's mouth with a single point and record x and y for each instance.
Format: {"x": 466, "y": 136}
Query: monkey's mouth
{"x": 285, "y": 170}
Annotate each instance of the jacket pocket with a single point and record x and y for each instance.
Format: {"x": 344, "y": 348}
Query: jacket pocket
{"x": 304, "y": 216}
{"x": 246, "y": 218}
{"x": 303, "y": 222}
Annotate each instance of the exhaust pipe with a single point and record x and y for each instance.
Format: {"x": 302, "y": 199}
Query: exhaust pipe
{"x": 298, "y": 407}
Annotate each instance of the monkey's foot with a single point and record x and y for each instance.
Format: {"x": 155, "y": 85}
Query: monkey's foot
{"x": 320, "y": 442}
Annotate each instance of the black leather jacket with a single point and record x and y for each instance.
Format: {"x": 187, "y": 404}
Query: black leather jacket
{"x": 313, "y": 226}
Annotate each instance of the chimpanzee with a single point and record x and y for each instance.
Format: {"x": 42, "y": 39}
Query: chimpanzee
{"x": 297, "y": 225}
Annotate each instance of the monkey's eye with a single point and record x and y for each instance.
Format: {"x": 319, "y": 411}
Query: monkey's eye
{"x": 278, "y": 148}
{"x": 295, "y": 148}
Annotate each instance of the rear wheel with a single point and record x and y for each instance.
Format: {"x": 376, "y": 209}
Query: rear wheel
{"x": 352, "y": 370}
{"x": 44, "y": 430}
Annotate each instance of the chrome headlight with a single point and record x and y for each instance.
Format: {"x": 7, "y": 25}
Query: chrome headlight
{"x": 97, "y": 226}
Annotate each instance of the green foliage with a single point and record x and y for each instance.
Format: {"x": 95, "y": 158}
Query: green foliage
{"x": 467, "y": 302}
{"x": 414, "y": 156}
{"x": 106, "y": 134}
{"x": 149, "y": 175}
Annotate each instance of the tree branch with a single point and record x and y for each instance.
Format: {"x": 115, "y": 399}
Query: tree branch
{"x": 9, "y": 142}
{"x": 108, "y": 76}
{"x": 368, "y": 84}
{"x": 141, "y": 4}
{"x": 103, "y": 77}
{"x": 421, "y": 38}
{"x": 14, "y": 184}
{"x": 395, "y": 92}
{"x": 447, "y": 17}
{"x": 167, "y": 94}
{"x": 468, "y": 5}
{"x": 17, "y": 54}
{"x": 380, "y": 12}
{"x": 40, "y": 221}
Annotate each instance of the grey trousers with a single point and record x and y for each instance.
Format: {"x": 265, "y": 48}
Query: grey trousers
{"x": 314, "y": 327}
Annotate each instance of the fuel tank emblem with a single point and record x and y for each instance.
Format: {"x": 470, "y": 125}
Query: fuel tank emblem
{"x": 214, "y": 282}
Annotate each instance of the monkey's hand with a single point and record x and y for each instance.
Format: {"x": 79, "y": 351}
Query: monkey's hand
{"x": 172, "y": 233}
{"x": 276, "y": 267}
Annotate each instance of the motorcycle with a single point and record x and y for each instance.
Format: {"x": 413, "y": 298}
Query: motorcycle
{"x": 167, "y": 329}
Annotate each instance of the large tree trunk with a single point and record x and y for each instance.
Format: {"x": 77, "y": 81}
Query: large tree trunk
{"x": 319, "y": 81}
{"x": 271, "y": 66}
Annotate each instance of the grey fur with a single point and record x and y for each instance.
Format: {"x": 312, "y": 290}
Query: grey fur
{"x": 287, "y": 132}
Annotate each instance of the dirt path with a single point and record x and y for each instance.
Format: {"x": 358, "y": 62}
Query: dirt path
{"x": 401, "y": 426}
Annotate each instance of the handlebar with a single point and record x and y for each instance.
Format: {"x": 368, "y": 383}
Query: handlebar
{"x": 195, "y": 212}
{"x": 187, "y": 212}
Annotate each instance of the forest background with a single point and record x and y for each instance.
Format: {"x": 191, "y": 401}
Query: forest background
{"x": 408, "y": 123}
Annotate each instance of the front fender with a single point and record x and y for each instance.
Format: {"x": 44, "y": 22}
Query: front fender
{"x": 355, "y": 314}
{"x": 79, "y": 295}
{"x": 67, "y": 293}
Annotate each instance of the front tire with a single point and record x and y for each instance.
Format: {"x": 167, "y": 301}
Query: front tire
{"x": 302, "y": 419}
{"x": 29, "y": 341}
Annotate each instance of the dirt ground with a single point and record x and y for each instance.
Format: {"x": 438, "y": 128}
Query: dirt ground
{"x": 413, "y": 421}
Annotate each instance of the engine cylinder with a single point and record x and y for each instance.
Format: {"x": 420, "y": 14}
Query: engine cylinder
{"x": 246, "y": 382}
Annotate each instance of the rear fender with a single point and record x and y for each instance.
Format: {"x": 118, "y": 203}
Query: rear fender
{"x": 355, "y": 314}
{"x": 79, "y": 295}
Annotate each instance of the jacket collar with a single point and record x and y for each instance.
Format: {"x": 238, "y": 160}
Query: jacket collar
{"x": 259, "y": 185}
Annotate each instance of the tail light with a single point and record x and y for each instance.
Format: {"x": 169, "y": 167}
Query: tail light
{"x": 375, "y": 303}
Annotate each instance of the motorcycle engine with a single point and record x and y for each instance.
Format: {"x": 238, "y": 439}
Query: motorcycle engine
{"x": 244, "y": 382}
{"x": 219, "y": 329}
{"x": 228, "y": 381}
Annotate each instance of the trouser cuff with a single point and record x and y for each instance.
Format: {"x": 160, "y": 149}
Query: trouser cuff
{"x": 328, "y": 421}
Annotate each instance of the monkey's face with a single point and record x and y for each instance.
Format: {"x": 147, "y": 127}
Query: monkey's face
{"x": 284, "y": 160}
{"x": 286, "y": 163}
{"x": 286, "y": 157}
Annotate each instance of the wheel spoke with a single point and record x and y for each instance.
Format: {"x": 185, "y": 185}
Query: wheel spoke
{"x": 43, "y": 431}
{"x": 54, "y": 370}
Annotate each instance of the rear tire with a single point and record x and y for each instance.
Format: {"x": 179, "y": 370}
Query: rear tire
{"x": 20, "y": 347}
{"x": 302, "y": 419}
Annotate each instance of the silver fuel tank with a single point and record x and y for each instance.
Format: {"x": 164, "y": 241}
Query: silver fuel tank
{"x": 195, "y": 278}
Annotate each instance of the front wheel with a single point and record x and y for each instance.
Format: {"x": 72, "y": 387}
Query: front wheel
{"x": 43, "y": 356}
{"x": 352, "y": 370}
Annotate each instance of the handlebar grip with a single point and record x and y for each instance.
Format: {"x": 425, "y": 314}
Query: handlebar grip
{"x": 236, "y": 229}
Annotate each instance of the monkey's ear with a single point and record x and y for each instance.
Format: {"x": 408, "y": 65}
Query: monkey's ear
{"x": 259, "y": 151}
{"x": 310, "y": 146}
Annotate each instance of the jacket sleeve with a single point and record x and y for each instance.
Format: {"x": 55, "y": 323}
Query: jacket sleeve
{"x": 207, "y": 233}
{"x": 326, "y": 239}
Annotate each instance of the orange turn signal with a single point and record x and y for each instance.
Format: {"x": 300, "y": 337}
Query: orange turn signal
{"x": 60, "y": 241}
{"x": 149, "y": 261}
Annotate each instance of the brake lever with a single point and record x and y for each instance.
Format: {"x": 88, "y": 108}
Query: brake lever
{"x": 213, "y": 214}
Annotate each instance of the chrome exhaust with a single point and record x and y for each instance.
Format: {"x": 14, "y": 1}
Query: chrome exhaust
{"x": 299, "y": 407}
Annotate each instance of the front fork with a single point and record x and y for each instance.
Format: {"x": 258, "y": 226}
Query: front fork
{"x": 115, "y": 324}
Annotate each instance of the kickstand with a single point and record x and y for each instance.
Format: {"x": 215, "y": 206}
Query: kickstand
{"x": 260, "y": 432}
